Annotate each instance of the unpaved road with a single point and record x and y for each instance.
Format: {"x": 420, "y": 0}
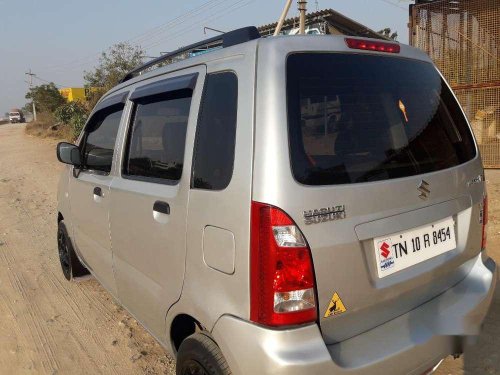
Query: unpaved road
{"x": 51, "y": 326}
{"x": 48, "y": 325}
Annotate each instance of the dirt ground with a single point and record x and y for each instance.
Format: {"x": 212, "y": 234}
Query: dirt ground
{"x": 48, "y": 325}
{"x": 51, "y": 326}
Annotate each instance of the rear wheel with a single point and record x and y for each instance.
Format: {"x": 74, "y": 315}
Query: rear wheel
{"x": 200, "y": 355}
{"x": 70, "y": 264}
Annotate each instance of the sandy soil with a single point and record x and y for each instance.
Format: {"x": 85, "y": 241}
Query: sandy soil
{"x": 51, "y": 326}
{"x": 48, "y": 325}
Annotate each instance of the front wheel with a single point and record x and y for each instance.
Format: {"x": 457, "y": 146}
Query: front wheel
{"x": 70, "y": 263}
{"x": 200, "y": 355}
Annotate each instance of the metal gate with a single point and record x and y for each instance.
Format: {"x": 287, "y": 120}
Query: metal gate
{"x": 463, "y": 39}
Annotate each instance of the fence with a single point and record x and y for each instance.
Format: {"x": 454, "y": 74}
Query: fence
{"x": 463, "y": 39}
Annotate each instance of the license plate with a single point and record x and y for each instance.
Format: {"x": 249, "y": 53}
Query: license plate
{"x": 398, "y": 251}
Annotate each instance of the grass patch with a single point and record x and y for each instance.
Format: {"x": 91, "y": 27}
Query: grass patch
{"x": 46, "y": 126}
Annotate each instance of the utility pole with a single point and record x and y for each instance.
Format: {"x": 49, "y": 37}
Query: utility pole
{"x": 302, "y": 9}
{"x": 31, "y": 85}
{"x": 282, "y": 18}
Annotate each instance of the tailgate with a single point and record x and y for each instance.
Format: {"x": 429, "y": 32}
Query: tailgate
{"x": 381, "y": 173}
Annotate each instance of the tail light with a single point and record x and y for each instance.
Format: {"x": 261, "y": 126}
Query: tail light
{"x": 281, "y": 275}
{"x": 484, "y": 220}
{"x": 371, "y": 45}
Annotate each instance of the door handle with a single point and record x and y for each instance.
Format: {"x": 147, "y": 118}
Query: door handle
{"x": 98, "y": 191}
{"x": 162, "y": 207}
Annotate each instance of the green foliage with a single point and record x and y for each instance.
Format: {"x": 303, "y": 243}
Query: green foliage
{"x": 73, "y": 114}
{"x": 387, "y": 32}
{"x": 77, "y": 123}
{"x": 28, "y": 108}
{"x": 66, "y": 112}
{"x": 113, "y": 65}
{"x": 47, "y": 97}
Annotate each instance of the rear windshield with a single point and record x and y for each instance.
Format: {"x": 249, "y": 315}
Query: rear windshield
{"x": 358, "y": 118}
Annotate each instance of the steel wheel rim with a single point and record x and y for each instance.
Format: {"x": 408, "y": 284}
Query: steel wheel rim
{"x": 62, "y": 246}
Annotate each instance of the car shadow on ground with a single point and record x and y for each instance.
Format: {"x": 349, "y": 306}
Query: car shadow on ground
{"x": 484, "y": 358}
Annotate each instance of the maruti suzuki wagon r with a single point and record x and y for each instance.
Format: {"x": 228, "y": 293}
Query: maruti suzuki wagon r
{"x": 284, "y": 205}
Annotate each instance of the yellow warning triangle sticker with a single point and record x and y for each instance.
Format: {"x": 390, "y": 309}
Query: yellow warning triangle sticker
{"x": 335, "y": 307}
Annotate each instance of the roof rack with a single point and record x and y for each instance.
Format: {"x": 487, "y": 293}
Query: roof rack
{"x": 225, "y": 40}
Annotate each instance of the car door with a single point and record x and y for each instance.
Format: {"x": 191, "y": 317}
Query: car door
{"x": 90, "y": 191}
{"x": 149, "y": 199}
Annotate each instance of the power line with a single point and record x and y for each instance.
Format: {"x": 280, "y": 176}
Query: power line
{"x": 197, "y": 22}
{"x": 44, "y": 80}
{"x": 161, "y": 29}
{"x": 211, "y": 17}
{"x": 395, "y": 5}
{"x": 147, "y": 35}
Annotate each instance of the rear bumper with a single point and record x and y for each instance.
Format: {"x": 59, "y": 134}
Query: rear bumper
{"x": 409, "y": 344}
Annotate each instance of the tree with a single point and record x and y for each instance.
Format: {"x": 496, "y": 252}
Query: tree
{"x": 113, "y": 65}
{"x": 387, "y": 32}
{"x": 28, "y": 108}
{"x": 47, "y": 97}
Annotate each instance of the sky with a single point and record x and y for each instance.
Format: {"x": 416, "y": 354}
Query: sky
{"x": 60, "y": 39}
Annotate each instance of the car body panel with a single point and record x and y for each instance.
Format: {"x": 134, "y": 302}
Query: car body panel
{"x": 228, "y": 209}
{"x": 149, "y": 250}
{"x": 409, "y": 344}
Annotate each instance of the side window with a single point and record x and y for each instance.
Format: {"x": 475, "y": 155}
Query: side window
{"x": 157, "y": 136}
{"x": 215, "y": 136}
{"x": 100, "y": 137}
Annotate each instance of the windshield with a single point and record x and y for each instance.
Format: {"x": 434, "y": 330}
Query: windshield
{"x": 358, "y": 118}
{"x": 14, "y": 114}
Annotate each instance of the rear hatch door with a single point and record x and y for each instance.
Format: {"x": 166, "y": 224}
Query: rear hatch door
{"x": 381, "y": 155}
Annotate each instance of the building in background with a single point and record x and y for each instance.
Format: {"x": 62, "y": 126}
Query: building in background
{"x": 72, "y": 94}
{"x": 463, "y": 39}
{"x": 325, "y": 21}
{"x": 76, "y": 93}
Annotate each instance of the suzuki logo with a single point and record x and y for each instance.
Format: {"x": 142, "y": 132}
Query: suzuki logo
{"x": 384, "y": 250}
{"x": 424, "y": 190}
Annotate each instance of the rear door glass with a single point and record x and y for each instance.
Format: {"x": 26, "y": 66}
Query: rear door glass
{"x": 359, "y": 118}
{"x": 158, "y": 136}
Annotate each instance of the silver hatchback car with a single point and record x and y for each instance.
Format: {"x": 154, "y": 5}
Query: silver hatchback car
{"x": 284, "y": 205}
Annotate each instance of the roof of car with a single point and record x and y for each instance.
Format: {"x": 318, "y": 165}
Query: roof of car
{"x": 299, "y": 43}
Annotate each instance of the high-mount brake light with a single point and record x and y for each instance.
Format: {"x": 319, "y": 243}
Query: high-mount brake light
{"x": 484, "y": 219}
{"x": 281, "y": 275}
{"x": 370, "y": 45}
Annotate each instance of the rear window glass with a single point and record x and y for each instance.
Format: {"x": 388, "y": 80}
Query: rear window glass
{"x": 215, "y": 138}
{"x": 358, "y": 118}
{"x": 158, "y": 136}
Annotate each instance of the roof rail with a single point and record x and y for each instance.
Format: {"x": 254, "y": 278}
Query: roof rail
{"x": 225, "y": 40}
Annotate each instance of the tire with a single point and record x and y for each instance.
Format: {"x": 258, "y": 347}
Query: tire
{"x": 71, "y": 266}
{"x": 200, "y": 355}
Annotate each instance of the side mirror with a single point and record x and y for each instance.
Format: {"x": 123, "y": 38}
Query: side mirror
{"x": 69, "y": 153}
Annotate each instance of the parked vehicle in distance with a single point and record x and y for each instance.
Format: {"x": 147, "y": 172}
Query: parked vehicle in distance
{"x": 320, "y": 209}
{"x": 16, "y": 116}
